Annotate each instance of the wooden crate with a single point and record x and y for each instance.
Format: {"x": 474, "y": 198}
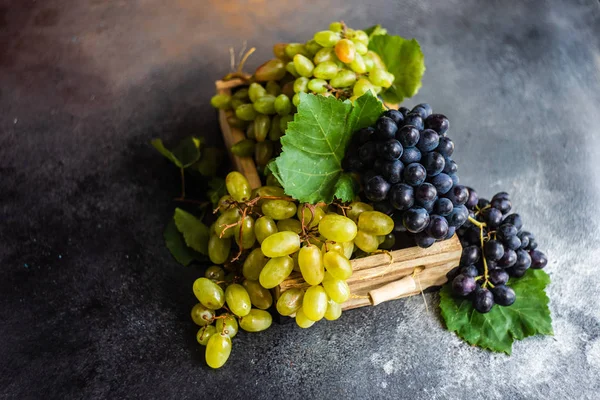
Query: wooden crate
{"x": 377, "y": 278}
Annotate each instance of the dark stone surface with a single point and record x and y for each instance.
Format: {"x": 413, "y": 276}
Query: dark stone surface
{"x": 93, "y": 306}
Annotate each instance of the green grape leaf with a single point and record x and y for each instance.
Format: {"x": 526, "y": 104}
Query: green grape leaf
{"x": 217, "y": 189}
{"x": 375, "y": 30}
{"x": 195, "y": 233}
{"x": 209, "y": 163}
{"x": 185, "y": 154}
{"x": 176, "y": 245}
{"x": 405, "y": 60}
{"x": 310, "y": 164}
{"x": 498, "y": 329}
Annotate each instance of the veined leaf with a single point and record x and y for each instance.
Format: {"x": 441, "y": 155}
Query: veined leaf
{"x": 185, "y": 154}
{"x": 195, "y": 233}
{"x": 176, "y": 245}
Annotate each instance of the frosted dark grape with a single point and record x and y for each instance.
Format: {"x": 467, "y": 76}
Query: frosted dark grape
{"x": 438, "y": 123}
{"x": 426, "y": 107}
{"x": 493, "y": 250}
{"x": 395, "y": 116}
{"x": 415, "y": 219}
{"x": 506, "y": 230}
{"x": 504, "y": 295}
{"x": 492, "y": 217}
{"x": 483, "y": 300}
{"x": 438, "y": 227}
{"x": 428, "y": 206}
{"x": 367, "y": 153}
{"x": 458, "y": 216}
{"x": 386, "y": 128}
{"x": 364, "y": 134}
{"x": 443, "y": 206}
{"x": 414, "y": 120}
{"x": 353, "y": 164}
{"x": 408, "y": 136}
{"x": 498, "y": 277}
{"x": 410, "y": 155}
{"x": 473, "y": 199}
{"x": 402, "y": 196}
{"x": 470, "y": 255}
{"x": 420, "y": 111}
{"x": 455, "y": 179}
{"x": 390, "y": 149}
{"x": 523, "y": 259}
{"x": 404, "y": 111}
{"x": 428, "y": 140}
{"x": 434, "y": 163}
{"x": 515, "y": 220}
{"x": 377, "y": 188}
{"x": 414, "y": 174}
{"x": 450, "y": 166}
{"x": 445, "y": 147}
{"x": 469, "y": 270}
{"x": 458, "y": 195}
{"x": 392, "y": 171}
{"x": 451, "y": 232}
{"x": 538, "y": 259}
{"x": 423, "y": 240}
{"x": 508, "y": 259}
{"x": 513, "y": 242}
{"x": 384, "y": 207}
{"x": 442, "y": 182}
{"x": 463, "y": 285}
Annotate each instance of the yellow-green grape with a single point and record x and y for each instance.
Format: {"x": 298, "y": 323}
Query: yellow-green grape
{"x": 279, "y": 209}
{"x": 326, "y": 38}
{"x": 292, "y": 69}
{"x": 215, "y": 273}
{"x": 205, "y": 333}
{"x": 380, "y": 239}
{"x": 389, "y": 242}
{"x": 332, "y": 246}
{"x": 301, "y": 85}
{"x": 342, "y": 79}
{"x": 289, "y": 224}
{"x": 325, "y": 54}
{"x": 302, "y": 320}
{"x": 312, "y": 47}
{"x": 310, "y": 260}
{"x": 366, "y": 242}
{"x": 259, "y": 296}
{"x": 337, "y": 289}
{"x": 283, "y": 123}
{"x": 334, "y": 310}
{"x": 237, "y": 299}
{"x": 303, "y": 65}
{"x": 377, "y": 61}
{"x": 275, "y": 271}
{"x": 348, "y": 249}
{"x": 337, "y": 228}
{"x": 256, "y": 91}
{"x": 375, "y": 222}
{"x": 218, "y": 249}
{"x": 202, "y": 315}
{"x": 250, "y": 131}
{"x": 272, "y": 70}
{"x": 336, "y": 27}
{"x": 345, "y": 50}
{"x": 308, "y": 217}
{"x": 238, "y": 186}
{"x": 296, "y": 100}
{"x": 380, "y": 77}
{"x": 263, "y": 152}
{"x": 218, "y": 350}
{"x": 256, "y": 321}
{"x": 361, "y": 48}
{"x": 317, "y": 85}
{"x": 275, "y": 131}
{"x": 245, "y": 231}
{"x": 290, "y": 301}
{"x": 221, "y": 101}
{"x": 209, "y": 293}
{"x": 295, "y": 259}
{"x": 268, "y": 191}
{"x": 362, "y": 86}
{"x": 314, "y": 304}
{"x": 243, "y": 148}
{"x": 273, "y": 88}
{"x": 264, "y": 227}
{"x": 361, "y": 36}
{"x": 254, "y": 263}
{"x": 326, "y": 70}
{"x": 246, "y": 112}
{"x": 281, "y": 244}
{"x": 235, "y": 103}
{"x": 235, "y": 122}
{"x": 262, "y": 124}
{"x": 337, "y": 265}
{"x": 357, "y": 208}
{"x": 368, "y": 60}
{"x": 241, "y": 94}
{"x": 227, "y": 325}
{"x": 223, "y": 227}
{"x": 283, "y": 105}
{"x": 225, "y": 202}
{"x": 265, "y": 104}
{"x": 358, "y": 65}
{"x": 295, "y": 48}
{"x": 279, "y": 50}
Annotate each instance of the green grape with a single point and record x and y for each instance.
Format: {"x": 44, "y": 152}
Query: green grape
{"x": 243, "y": 148}
{"x": 336, "y": 27}
{"x": 368, "y": 60}
{"x": 375, "y": 222}
{"x": 362, "y": 86}
{"x": 209, "y": 293}
{"x": 366, "y": 242}
{"x": 361, "y": 48}
{"x": 235, "y": 122}
{"x": 337, "y": 265}
{"x": 218, "y": 249}
{"x": 342, "y": 79}
{"x": 301, "y": 85}
{"x": 215, "y": 273}
{"x": 312, "y": 47}
{"x": 317, "y": 85}
{"x": 310, "y": 218}
{"x": 259, "y": 296}
{"x": 235, "y": 103}
{"x": 314, "y": 304}
{"x": 281, "y": 244}
{"x": 256, "y": 91}
{"x": 268, "y": 191}
{"x": 283, "y": 105}
{"x": 380, "y": 239}
{"x": 283, "y": 123}
{"x": 337, "y": 228}
{"x": 273, "y": 88}
{"x": 227, "y": 325}
{"x": 256, "y": 321}
{"x": 292, "y": 69}
{"x": 310, "y": 261}
{"x": 276, "y": 270}
{"x": 202, "y": 315}
{"x": 377, "y": 61}
{"x": 296, "y": 100}
{"x": 250, "y": 131}
{"x": 334, "y": 310}
{"x": 348, "y": 249}
{"x": 356, "y": 208}
{"x": 295, "y": 48}
{"x": 218, "y": 350}
{"x": 358, "y": 64}
{"x": 222, "y": 224}
{"x": 326, "y": 38}
{"x": 262, "y": 124}
{"x": 326, "y": 70}
{"x": 361, "y": 36}
{"x": 238, "y": 300}
{"x": 275, "y": 131}
{"x": 389, "y": 242}
{"x": 279, "y": 209}
{"x": 290, "y": 301}
{"x": 242, "y": 94}
{"x": 325, "y": 54}
{"x": 221, "y": 101}
{"x": 238, "y": 186}
{"x": 263, "y": 152}
{"x": 264, "y": 227}
{"x": 289, "y": 224}
{"x": 380, "y": 77}
{"x": 337, "y": 289}
{"x": 265, "y": 104}
{"x": 332, "y": 246}
{"x": 272, "y": 70}
{"x": 279, "y": 50}
{"x": 245, "y": 112}
{"x": 303, "y": 65}
{"x": 295, "y": 259}
{"x": 345, "y": 50}
{"x": 205, "y": 333}
{"x": 302, "y": 320}
{"x": 245, "y": 230}
{"x": 254, "y": 263}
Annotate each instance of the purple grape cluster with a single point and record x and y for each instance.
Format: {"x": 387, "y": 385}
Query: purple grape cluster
{"x": 406, "y": 168}
{"x": 507, "y": 250}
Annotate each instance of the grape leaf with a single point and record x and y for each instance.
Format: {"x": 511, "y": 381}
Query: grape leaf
{"x": 195, "y": 233}
{"x": 176, "y": 245}
{"x": 216, "y": 190}
{"x": 405, "y": 60}
{"x": 498, "y": 329}
{"x": 310, "y": 165}
{"x": 375, "y": 30}
{"x": 185, "y": 154}
{"x": 209, "y": 163}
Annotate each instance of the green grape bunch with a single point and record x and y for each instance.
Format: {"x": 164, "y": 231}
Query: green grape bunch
{"x": 259, "y": 239}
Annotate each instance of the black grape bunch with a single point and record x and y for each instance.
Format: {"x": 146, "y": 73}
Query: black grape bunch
{"x": 406, "y": 168}
{"x": 495, "y": 248}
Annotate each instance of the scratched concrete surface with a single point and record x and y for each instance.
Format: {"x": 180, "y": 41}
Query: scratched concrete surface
{"x": 93, "y": 306}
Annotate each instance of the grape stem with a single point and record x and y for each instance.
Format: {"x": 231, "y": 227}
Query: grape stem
{"x": 482, "y": 225}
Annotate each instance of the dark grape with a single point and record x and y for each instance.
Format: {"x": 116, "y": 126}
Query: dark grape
{"x": 425, "y": 193}
{"x": 512, "y": 243}
{"x": 470, "y": 255}
{"x": 434, "y": 163}
{"x": 420, "y": 111}
{"x": 498, "y": 277}
{"x": 516, "y": 272}
{"x": 428, "y": 140}
{"x": 423, "y": 240}
{"x": 458, "y": 195}
{"x": 508, "y": 259}
{"x": 504, "y": 295}
{"x": 402, "y": 196}
{"x": 438, "y": 123}
{"x": 443, "y": 206}
{"x": 450, "y": 166}
{"x": 451, "y": 232}
{"x": 414, "y": 174}
{"x": 458, "y": 216}
{"x": 410, "y": 155}
{"x": 364, "y": 135}
{"x": 428, "y": 206}
{"x": 404, "y": 111}
{"x": 399, "y": 225}
{"x": 501, "y": 195}
{"x": 506, "y": 231}
{"x": 483, "y": 300}
{"x": 386, "y": 128}
{"x": 415, "y": 219}
{"x": 446, "y": 147}
{"x": 392, "y": 171}
{"x": 469, "y": 270}
{"x": 514, "y": 219}
{"x": 438, "y": 227}
{"x": 492, "y": 217}
{"x": 408, "y": 136}
{"x": 538, "y": 259}
{"x": 463, "y": 285}
{"x": 523, "y": 260}
{"x": 442, "y": 182}
{"x": 426, "y": 107}
{"x": 376, "y": 189}
{"x": 455, "y": 180}
{"x": 395, "y": 116}
{"x": 482, "y": 203}
{"x": 493, "y": 250}
{"x": 473, "y": 199}
{"x": 501, "y": 201}
{"x": 367, "y": 153}
{"x": 390, "y": 149}
{"x": 353, "y": 164}
{"x": 384, "y": 207}
{"x": 414, "y": 120}
{"x": 532, "y": 244}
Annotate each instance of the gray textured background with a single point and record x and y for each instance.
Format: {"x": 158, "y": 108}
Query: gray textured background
{"x": 92, "y": 305}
